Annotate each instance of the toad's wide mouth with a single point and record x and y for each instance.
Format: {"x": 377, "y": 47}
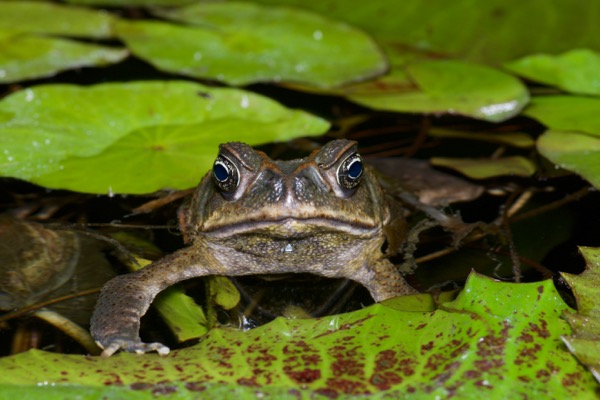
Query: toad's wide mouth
{"x": 291, "y": 227}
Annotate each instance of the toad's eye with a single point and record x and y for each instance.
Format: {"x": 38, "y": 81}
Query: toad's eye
{"x": 225, "y": 174}
{"x": 350, "y": 171}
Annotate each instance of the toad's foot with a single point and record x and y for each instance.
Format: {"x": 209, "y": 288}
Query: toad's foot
{"x": 112, "y": 346}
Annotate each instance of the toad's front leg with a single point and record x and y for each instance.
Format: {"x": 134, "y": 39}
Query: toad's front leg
{"x": 125, "y": 299}
{"x": 383, "y": 280}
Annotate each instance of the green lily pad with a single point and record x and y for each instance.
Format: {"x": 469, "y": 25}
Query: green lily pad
{"x": 55, "y": 19}
{"x": 446, "y": 87}
{"x": 514, "y": 139}
{"x": 134, "y": 137}
{"x": 487, "y": 167}
{"x": 573, "y": 151}
{"x": 496, "y": 340}
{"x": 25, "y": 56}
{"x": 566, "y": 113}
{"x": 585, "y": 341}
{"x": 490, "y": 32}
{"x": 241, "y": 43}
{"x": 130, "y": 3}
{"x": 576, "y": 71}
{"x": 184, "y": 317}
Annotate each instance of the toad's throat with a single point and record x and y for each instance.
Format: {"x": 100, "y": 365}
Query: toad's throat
{"x": 289, "y": 227}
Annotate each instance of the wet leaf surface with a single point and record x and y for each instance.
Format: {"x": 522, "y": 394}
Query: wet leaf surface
{"x": 494, "y": 339}
{"x": 241, "y": 43}
{"x": 60, "y": 135}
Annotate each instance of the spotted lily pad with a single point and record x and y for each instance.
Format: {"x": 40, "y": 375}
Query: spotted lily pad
{"x": 445, "y": 87}
{"x": 576, "y": 71}
{"x": 496, "y": 340}
{"x": 134, "y": 137}
{"x": 241, "y": 43}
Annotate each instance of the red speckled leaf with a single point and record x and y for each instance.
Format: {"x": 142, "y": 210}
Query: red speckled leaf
{"x": 495, "y": 341}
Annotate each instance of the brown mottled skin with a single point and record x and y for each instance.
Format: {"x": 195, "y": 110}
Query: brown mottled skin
{"x": 281, "y": 217}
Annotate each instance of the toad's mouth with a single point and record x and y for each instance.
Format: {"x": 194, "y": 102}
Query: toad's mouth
{"x": 293, "y": 227}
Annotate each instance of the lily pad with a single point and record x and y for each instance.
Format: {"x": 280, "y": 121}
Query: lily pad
{"x": 130, "y": 3}
{"x": 495, "y": 340}
{"x": 446, "y": 87}
{"x": 489, "y": 32}
{"x": 585, "y": 341}
{"x": 25, "y": 56}
{"x": 566, "y": 113}
{"x": 576, "y": 71}
{"x": 573, "y": 151}
{"x": 514, "y": 139}
{"x": 134, "y": 137}
{"x": 55, "y": 19}
{"x": 487, "y": 167}
{"x": 241, "y": 43}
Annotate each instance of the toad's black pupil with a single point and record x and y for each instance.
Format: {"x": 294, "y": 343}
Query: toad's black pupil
{"x": 355, "y": 169}
{"x": 221, "y": 172}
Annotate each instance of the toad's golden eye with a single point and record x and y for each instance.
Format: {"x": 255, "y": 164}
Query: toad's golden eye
{"x": 225, "y": 174}
{"x": 350, "y": 171}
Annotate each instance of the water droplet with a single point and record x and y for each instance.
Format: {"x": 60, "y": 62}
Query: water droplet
{"x": 499, "y": 108}
{"x": 300, "y": 67}
{"x": 245, "y": 102}
{"x": 197, "y": 56}
{"x": 317, "y": 35}
{"x": 10, "y": 158}
{"x": 110, "y": 192}
{"x": 47, "y": 141}
{"x": 29, "y": 95}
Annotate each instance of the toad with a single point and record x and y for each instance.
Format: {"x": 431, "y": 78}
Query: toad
{"x": 326, "y": 214}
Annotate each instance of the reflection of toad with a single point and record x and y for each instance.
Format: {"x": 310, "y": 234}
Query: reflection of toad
{"x": 325, "y": 214}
